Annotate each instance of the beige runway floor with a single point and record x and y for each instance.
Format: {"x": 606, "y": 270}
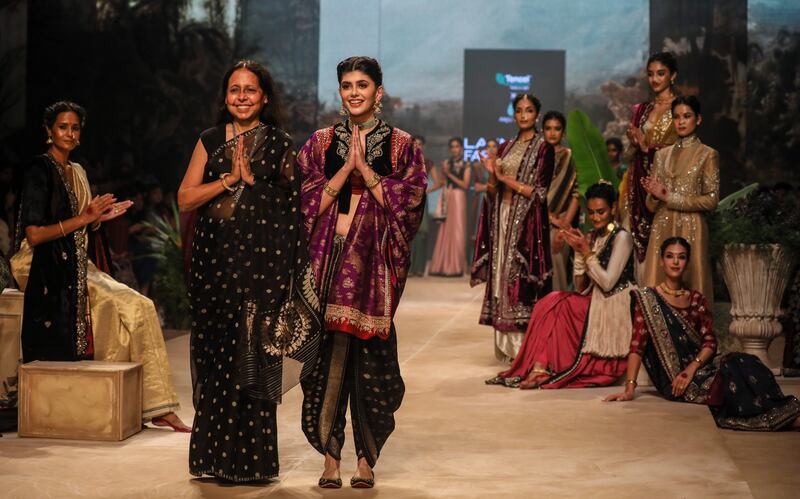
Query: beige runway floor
{"x": 456, "y": 437}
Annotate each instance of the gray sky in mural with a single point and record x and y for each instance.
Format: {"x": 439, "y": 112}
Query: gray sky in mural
{"x": 420, "y": 43}
{"x": 766, "y": 16}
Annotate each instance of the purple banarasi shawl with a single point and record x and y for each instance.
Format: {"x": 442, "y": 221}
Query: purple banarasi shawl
{"x": 364, "y": 294}
{"x": 526, "y": 266}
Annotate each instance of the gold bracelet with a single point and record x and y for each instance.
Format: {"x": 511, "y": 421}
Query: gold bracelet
{"x": 63, "y": 234}
{"x": 376, "y": 179}
{"x": 224, "y": 184}
{"x": 491, "y": 185}
{"x": 519, "y": 189}
{"x": 631, "y": 382}
{"x": 330, "y": 191}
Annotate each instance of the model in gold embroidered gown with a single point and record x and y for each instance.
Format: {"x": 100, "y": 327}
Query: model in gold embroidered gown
{"x": 685, "y": 188}
{"x": 651, "y": 129}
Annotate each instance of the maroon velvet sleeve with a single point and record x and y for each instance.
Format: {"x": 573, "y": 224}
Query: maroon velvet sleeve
{"x": 640, "y": 333}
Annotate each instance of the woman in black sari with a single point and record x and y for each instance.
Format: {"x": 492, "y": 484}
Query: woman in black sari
{"x": 251, "y": 290}
{"x": 674, "y": 339}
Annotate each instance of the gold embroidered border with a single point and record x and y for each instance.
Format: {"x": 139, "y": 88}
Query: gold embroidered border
{"x": 662, "y": 341}
{"x": 772, "y": 420}
{"x": 363, "y": 323}
{"x": 659, "y": 333}
{"x": 79, "y": 236}
{"x": 374, "y": 139}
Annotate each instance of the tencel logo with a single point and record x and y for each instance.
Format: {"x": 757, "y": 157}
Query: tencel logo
{"x": 516, "y": 83}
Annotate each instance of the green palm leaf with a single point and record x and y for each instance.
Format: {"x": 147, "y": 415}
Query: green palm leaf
{"x": 731, "y": 199}
{"x": 588, "y": 152}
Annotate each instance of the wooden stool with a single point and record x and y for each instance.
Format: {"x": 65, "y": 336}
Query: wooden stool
{"x": 86, "y": 400}
{"x": 10, "y": 328}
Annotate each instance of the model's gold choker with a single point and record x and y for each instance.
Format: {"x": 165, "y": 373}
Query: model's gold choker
{"x": 687, "y": 141}
{"x": 362, "y": 126}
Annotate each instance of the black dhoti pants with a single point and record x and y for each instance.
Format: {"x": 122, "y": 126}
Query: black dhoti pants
{"x": 362, "y": 373}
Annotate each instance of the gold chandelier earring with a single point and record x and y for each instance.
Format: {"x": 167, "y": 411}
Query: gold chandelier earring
{"x": 378, "y": 107}
{"x": 49, "y": 140}
{"x": 342, "y": 110}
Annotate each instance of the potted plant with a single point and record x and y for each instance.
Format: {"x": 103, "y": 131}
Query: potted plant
{"x": 169, "y": 283}
{"x": 755, "y": 238}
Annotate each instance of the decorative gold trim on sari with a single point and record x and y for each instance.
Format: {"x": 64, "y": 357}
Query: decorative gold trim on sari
{"x": 81, "y": 257}
{"x": 662, "y": 340}
{"x": 772, "y": 420}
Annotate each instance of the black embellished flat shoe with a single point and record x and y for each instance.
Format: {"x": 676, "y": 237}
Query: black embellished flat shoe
{"x": 513, "y": 382}
{"x": 330, "y": 483}
{"x": 362, "y": 483}
{"x": 497, "y": 380}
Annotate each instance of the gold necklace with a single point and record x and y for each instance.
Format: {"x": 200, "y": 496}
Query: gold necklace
{"x": 54, "y": 160}
{"x": 687, "y": 141}
{"x": 673, "y": 292}
{"x": 664, "y": 100}
{"x": 362, "y": 126}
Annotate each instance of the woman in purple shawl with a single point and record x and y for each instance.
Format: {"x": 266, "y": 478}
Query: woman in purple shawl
{"x": 363, "y": 196}
{"x": 512, "y": 248}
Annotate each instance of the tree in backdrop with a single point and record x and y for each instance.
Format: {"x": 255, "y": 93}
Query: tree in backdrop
{"x": 773, "y": 87}
{"x": 149, "y": 79}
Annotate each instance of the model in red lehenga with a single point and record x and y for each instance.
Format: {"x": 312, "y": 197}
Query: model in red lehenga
{"x": 581, "y": 339}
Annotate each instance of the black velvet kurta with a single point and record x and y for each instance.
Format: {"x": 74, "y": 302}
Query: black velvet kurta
{"x": 54, "y": 324}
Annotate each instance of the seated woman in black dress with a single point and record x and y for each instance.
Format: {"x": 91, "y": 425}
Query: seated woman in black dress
{"x": 73, "y": 310}
{"x": 674, "y": 339}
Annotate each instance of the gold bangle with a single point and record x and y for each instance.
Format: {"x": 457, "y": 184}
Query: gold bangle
{"x": 330, "y": 191}
{"x": 376, "y": 179}
{"x": 519, "y": 189}
{"x": 631, "y": 382}
{"x": 491, "y": 184}
{"x": 224, "y": 184}
{"x": 63, "y": 234}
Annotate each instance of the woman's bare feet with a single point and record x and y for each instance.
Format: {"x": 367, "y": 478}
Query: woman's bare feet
{"x": 173, "y": 421}
{"x": 536, "y": 378}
